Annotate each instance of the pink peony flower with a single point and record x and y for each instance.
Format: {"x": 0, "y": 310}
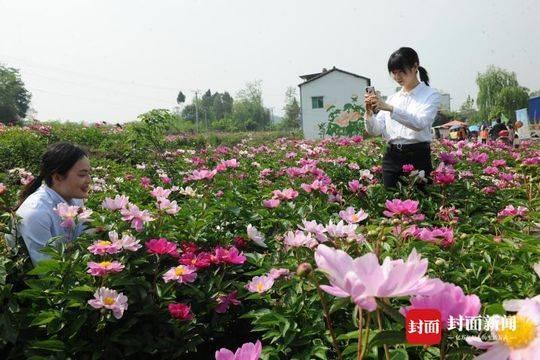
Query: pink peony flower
{"x": 342, "y": 231}
{"x": 146, "y": 182}
{"x": 229, "y": 256}
{"x": 161, "y": 247}
{"x": 443, "y": 236}
{"x": 287, "y": 194}
{"x": 351, "y": 216}
{"x": 2, "y": 188}
{"x": 137, "y": 217}
{"x": 248, "y": 351}
{"x": 170, "y": 207}
{"x": 260, "y": 284}
{"x": 181, "y": 274}
{"x": 363, "y": 279}
{"x": 71, "y": 215}
{"x": 498, "y": 162}
{"x": 200, "y": 261}
{"x": 490, "y": 170}
{"x": 127, "y": 242}
{"x": 277, "y": 273}
{"x": 448, "y": 158}
{"x": 407, "y": 168}
{"x": 510, "y": 210}
{"x": 450, "y": 301}
{"x": 119, "y": 202}
{"x": 225, "y": 301}
{"x": 318, "y": 230}
{"x": 104, "y": 268}
{"x": 102, "y": 247}
{"x": 160, "y": 192}
{"x": 399, "y": 207}
{"x": 111, "y": 300}
{"x": 444, "y": 175}
{"x": 271, "y": 204}
{"x": 255, "y": 235}
{"x": 480, "y": 158}
{"x": 180, "y": 311}
{"x": 298, "y": 238}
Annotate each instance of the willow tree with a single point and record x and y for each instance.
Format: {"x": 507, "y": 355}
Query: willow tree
{"x": 490, "y": 85}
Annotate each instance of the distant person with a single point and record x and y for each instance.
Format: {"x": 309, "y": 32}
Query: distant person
{"x": 64, "y": 177}
{"x": 405, "y": 119}
{"x": 497, "y": 128}
{"x": 484, "y": 133}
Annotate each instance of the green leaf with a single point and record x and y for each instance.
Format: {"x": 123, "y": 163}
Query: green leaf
{"x": 399, "y": 354}
{"x": 388, "y": 337}
{"x": 44, "y": 267}
{"x": 51, "y": 345}
{"x": 45, "y": 317}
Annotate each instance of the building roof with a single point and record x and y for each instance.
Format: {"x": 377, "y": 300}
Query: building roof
{"x": 310, "y": 77}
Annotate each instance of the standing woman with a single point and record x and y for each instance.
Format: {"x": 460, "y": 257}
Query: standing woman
{"x": 64, "y": 177}
{"x": 405, "y": 119}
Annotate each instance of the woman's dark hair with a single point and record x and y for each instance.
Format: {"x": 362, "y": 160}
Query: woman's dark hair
{"x": 58, "y": 159}
{"x": 404, "y": 59}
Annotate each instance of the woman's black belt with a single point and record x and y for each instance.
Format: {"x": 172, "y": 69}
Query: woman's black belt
{"x": 409, "y": 147}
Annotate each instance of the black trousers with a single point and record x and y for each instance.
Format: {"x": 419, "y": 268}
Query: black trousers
{"x": 419, "y": 155}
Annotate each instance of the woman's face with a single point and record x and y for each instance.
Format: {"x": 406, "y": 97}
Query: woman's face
{"x": 76, "y": 183}
{"x": 407, "y": 77}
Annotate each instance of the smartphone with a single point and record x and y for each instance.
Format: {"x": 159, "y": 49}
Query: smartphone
{"x": 370, "y": 89}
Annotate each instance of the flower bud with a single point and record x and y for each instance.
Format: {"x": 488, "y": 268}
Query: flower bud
{"x": 440, "y": 262}
{"x": 304, "y": 269}
{"x": 396, "y": 222}
{"x": 372, "y": 233}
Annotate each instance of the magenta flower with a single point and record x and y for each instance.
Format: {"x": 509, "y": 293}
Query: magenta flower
{"x": 229, "y": 256}
{"x": 137, "y": 217}
{"x": 225, "y": 301}
{"x": 364, "y": 279}
{"x": 444, "y": 174}
{"x": 443, "y": 236}
{"x": 181, "y": 274}
{"x": 399, "y": 207}
{"x": 351, "y": 216}
{"x": 200, "y": 261}
{"x": 450, "y": 301}
{"x": 180, "y": 311}
{"x": 161, "y": 247}
{"x": 146, "y": 182}
{"x": 510, "y": 210}
{"x": 104, "y": 268}
{"x": 102, "y": 247}
{"x": 111, "y": 300}
{"x": 248, "y": 351}
{"x": 480, "y": 158}
{"x": 498, "y": 162}
{"x": 287, "y": 194}
{"x": 119, "y": 202}
{"x": 448, "y": 158}
{"x": 260, "y": 284}
{"x": 407, "y": 168}
{"x": 490, "y": 170}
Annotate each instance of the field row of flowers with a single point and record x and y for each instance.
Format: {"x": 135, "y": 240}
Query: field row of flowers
{"x": 285, "y": 250}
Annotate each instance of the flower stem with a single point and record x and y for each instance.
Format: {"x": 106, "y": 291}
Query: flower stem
{"x": 379, "y": 321}
{"x": 328, "y": 320}
{"x": 360, "y": 320}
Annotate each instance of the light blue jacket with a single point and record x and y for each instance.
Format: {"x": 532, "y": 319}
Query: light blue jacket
{"x": 39, "y": 223}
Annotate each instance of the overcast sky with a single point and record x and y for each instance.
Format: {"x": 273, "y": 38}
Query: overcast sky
{"x": 112, "y": 60}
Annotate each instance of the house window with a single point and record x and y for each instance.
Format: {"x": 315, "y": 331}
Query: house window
{"x": 317, "y": 102}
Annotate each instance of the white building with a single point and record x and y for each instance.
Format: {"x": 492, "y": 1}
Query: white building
{"x": 329, "y": 87}
{"x": 445, "y": 101}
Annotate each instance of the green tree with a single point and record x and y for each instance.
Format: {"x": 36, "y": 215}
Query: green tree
{"x": 292, "y": 110}
{"x": 511, "y": 99}
{"x": 180, "y": 98}
{"x": 469, "y": 112}
{"x": 490, "y": 85}
{"x": 249, "y": 110}
{"x": 534, "y": 93}
{"x": 14, "y": 98}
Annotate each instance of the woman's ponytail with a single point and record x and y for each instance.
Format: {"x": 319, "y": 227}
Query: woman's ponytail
{"x": 423, "y": 75}
{"x": 29, "y": 189}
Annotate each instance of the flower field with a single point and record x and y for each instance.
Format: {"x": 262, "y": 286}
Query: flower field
{"x": 283, "y": 248}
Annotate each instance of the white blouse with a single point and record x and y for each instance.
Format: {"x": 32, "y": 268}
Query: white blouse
{"x": 411, "y": 120}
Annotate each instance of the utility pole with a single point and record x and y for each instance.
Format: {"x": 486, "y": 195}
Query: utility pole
{"x": 197, "y": 109}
